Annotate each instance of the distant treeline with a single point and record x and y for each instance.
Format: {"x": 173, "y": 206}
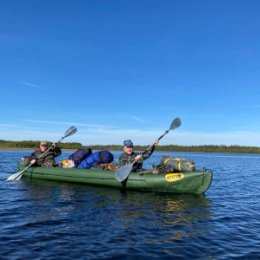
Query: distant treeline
{"x": 192, "y": 148}
{"x": 34, "y": 144}
{"x": 4, "y": 144}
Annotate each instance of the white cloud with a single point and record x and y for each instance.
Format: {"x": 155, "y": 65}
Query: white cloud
{"x": 28, "y": 84}
{"x": 225, "y": 138}
{"x": 89, "y": 134}
{"x": 133, "y": 117}
{"x": 136, "y": 118}
{"x": 116, "y": 136}
{"x": 65, "y": 123}
{"x": 144, "y": 137}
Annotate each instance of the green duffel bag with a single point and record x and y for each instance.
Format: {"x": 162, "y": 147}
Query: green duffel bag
{"x": 171, "y": 164}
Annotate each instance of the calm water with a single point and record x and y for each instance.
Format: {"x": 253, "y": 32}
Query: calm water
{"x": 54, "y": 220}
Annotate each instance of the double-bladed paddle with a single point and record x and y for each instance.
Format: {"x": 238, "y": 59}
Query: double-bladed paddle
{"x": 123, "y": 172}
{"x": 17, "y": 176}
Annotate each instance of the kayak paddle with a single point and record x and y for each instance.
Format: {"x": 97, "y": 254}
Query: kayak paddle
{"x": 17, "y": 176}
{"x": 123, "y": 172}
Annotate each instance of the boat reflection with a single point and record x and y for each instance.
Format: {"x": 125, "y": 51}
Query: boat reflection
{"x": 178, "y": 215}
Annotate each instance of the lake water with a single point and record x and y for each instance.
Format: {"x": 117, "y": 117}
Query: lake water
{"x": 55, "y": 220}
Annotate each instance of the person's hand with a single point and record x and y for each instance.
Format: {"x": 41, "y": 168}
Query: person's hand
{"x": 156, "y": 142}
{"x": 33, "y": 161}
{"x": 138, "y": 157}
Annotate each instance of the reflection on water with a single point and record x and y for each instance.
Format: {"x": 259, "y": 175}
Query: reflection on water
{"x": 54, "y": 220}
{"x": 174, "y": 215}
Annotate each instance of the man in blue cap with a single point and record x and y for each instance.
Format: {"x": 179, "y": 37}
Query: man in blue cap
{"x": 128, "y": 156}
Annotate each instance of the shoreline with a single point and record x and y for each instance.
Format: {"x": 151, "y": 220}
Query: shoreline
{"x": 140, "y": 149}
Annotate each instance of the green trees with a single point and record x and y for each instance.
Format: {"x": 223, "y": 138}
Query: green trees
{"x": 29, "y": 144}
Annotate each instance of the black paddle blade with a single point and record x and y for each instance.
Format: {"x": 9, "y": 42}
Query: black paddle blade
{"x": 175, "y": 123}
{"x": 72, "y": 130}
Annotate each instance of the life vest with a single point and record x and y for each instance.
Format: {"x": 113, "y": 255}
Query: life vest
{"x": 96, "y": 158}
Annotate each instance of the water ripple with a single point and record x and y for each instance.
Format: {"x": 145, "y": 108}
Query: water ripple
{"x": 53, "y": 220}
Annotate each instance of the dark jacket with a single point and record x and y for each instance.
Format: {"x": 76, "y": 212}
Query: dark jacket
{"x": 48, "y": 158}
{"x": 129, "y": 158}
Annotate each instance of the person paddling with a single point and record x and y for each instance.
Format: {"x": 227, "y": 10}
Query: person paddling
{"x": 129, "y": 156}
{"x": 47, "y": 160}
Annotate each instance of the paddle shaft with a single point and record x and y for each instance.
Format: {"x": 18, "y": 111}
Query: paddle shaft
{"x": 18, "y": 175}
{"x": 166, "y": 132}
{"x": 175, "y": 124}
{"x": 46, "y": 151}
{"x": 27, "y": 167}
{"x": 123, "y": 172}
{"x": 151, "y": 146}
{"x": 49, "y": 148}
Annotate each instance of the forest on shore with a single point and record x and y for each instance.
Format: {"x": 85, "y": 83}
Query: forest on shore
{"x": 6, "y": 144}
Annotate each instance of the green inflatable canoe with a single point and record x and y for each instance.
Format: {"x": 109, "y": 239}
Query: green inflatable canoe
{"x": 184, "y": 182}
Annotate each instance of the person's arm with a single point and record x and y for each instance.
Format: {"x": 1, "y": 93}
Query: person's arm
{"x": 33, "y": 157}
{"x": 149, "y": 152}
{"x": 56, "y": 150}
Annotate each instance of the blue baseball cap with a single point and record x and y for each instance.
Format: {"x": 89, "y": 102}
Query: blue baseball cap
{"x": 128, "y": 143}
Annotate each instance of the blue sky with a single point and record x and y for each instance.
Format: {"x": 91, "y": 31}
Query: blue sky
{"x": 125, "y": 69}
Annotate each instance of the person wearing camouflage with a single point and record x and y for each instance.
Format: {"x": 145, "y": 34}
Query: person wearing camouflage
{"x": 48, "y": 159}
{"x": 129, "y": 155}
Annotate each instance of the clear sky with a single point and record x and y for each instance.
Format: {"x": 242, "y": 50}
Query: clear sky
{"x": 119, "y": 69}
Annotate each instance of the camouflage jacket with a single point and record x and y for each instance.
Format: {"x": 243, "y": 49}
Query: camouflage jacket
{"x": 129, "y": 158}
{"x": 48, "y": 158}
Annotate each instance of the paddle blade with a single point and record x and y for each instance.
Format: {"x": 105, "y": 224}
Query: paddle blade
{"x": 72, "y": 130}
{"x": 123, "y": 172}
{"x": 15, "y": 177}
{"x": 175, "y": 123}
